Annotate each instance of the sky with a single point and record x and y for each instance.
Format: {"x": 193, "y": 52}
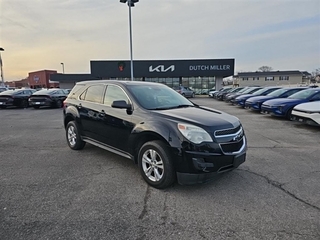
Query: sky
{"x": 42, "y": 34}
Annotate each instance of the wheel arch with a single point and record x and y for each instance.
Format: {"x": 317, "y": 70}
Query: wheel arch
{"x": 140, "y": 139}
{"x": 70, "y": 114}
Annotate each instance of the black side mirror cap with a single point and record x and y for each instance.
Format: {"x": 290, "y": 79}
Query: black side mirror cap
{"x": 121, "y": 104}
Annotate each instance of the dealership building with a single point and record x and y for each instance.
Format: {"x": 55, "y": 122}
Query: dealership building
{"x": 200, "y": 75}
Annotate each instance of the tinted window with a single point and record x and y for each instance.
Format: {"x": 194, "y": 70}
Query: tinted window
{"x": 75, "y": 92}
{"x": 158, "y": 97}
{"x": 20, "y": 93}
{"x": 303, "y": 94}
{"x": 114, "y": 93}
{"x": 316, "y": 97}
{"x": 287, "y": 94}
{"x": 93, "y": 94}
{"x": 277, "y": 93}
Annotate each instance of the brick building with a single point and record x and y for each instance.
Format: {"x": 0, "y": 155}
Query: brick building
{"x": 23, "y": 83}
{"x": 41, "y": 79}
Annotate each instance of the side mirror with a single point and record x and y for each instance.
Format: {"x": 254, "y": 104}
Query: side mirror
{"x": 121, "y": 104}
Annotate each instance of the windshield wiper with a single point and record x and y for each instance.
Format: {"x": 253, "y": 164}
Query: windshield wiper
{"x": 173, "y": 107}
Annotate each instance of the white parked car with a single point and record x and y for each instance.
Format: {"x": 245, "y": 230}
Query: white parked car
{"x": 308, "y": 113}
{"x": 211, "y": 92}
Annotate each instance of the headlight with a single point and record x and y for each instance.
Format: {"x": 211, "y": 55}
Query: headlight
{"x": 193, "y": 133}
{"x": 281, "y": 108}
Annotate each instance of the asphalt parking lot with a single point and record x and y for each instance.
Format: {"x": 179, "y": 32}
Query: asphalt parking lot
{"x": 48, "y": 191}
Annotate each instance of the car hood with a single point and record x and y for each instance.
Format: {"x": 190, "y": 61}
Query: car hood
{"x": 260, "y": 98}
{"x": 274, "y": 102}
{"x": 201, "y": 116}
{"x": 243, "y": 96}
{"x": 309, "y": 106}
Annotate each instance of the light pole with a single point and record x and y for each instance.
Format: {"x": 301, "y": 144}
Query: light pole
{"x": 2, "y": 79}
{"x": 62, "y": 67}
{"x": 130, "y": 4}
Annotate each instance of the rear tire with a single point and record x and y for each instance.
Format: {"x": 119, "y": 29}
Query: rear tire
{"x": 73, "y": 137}
{"x": 155, "y": 164}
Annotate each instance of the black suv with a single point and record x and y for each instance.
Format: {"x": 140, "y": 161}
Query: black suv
{"x": 168, "y": 136}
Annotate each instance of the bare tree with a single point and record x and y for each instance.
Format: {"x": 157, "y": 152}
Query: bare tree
{"x": 315, "y": 75}
{"x": 316, "y": 72}
{"x": 265, "y": 69}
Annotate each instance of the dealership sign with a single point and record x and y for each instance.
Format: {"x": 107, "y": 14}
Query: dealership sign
{"x": 163, "y": 68}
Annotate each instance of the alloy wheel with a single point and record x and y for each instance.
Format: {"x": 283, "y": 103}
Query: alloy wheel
{"x": 72, "y": 136}
{"x": 152, "y": 165}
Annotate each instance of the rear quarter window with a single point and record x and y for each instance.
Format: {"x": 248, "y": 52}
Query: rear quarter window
{"x": 76, "y": 91}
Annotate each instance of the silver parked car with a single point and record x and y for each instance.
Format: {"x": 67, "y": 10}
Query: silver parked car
{"x": 184, "y": 91}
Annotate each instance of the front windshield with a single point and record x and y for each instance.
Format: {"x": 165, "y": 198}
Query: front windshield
{"x": 44, "y": 91}
{"x": 225, "y": 89}
{"x": 234, "y": 90}
{"x": 260, "y": 91}
{"x": 243, "y": 90}
{"x": 304, "y": 94}
{"x": 158, "y": 97}
{"x": 6, "y": 92}
{"x": 248, "y": 90}
{"x": 277, "y": 93}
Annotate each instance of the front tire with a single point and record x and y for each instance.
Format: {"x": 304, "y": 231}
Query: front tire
{"x": 155, "y": 164}
{"x": 73, "y": 137}
{"x": 288, "y": 114}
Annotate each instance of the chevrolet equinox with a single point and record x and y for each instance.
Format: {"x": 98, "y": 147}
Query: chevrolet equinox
{"x": 166, "y": 135}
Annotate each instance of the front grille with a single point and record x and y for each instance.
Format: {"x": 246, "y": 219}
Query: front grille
{"x": 227, "y": 131}
{"x": 232, "y": 146}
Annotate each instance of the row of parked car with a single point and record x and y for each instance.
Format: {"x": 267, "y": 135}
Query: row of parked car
{"x": 24, "y": 98}
{"x": 293, "y": 103}
{"x": 190, "y": 93}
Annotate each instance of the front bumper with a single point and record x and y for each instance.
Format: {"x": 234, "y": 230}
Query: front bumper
{"x": 274, "y": 111}
{"x": 221, "y": 164}
{"x": 240, "y": 102}
{"x": 6, "y": 104}
{"x": 202, "y": 164}
{"x": 307, "y": 118}
{"x": 253, "y": 106}
{"x": 40, "y": 103}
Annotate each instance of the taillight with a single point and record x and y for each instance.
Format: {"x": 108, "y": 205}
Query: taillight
{"x": 64, "y": 104}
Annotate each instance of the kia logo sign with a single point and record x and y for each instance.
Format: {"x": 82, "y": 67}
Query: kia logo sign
{"x": 161, "y": 68}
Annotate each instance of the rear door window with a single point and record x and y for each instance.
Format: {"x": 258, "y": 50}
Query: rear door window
{"x": 93, "y": 94}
